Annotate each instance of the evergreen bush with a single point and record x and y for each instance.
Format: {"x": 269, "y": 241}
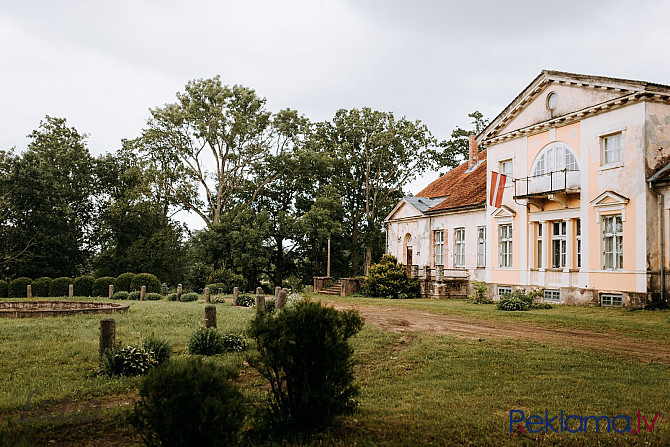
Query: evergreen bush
{"x": 389, "y": 279}
{"x": 40, "y": 286}
{"x": 4, "y": 288}
{"x": 146, "y": 279}
{"x": 18, "y": 288}
{"x": 83, "y": 285}
{"x": 191, "y": 296}
{"x": 123, "y": 281}
{"x": 60, "y": 286}
{"x": 122, "y": 295}
{"x": 134, "y": 295}
{"x": 101, "y": 286}
{"x": 152, "y": 296}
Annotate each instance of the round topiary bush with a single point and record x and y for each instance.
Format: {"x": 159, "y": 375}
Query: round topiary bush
{"x": 83, "y": 285}
{"x": 101, "y": 286}
{"x": 122, "y": 295}
{"x": 206, "y": 341}
{"x": 146, "y": 279}
{"x": 123, "y": 281}
{"x": 41, "y": 286}
{"x": 171, "y": 297}
{"x": 4, "y": 288}
{"x": 189, "y": 403}
{"x": 191, "y": 296}
{"x": 60, "y": 286}
{"x": 18, "y": 288}
{"x": 153, "y": 296}
{"x": 389, "y": 279}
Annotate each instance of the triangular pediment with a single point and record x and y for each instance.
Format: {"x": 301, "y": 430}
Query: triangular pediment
{"x": 609, "y": 198}
{"x": 403, "y": 210}
{"x": 504, "y": 212}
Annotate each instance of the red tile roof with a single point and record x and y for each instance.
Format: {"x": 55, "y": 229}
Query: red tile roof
{"x": 459, "y": 187}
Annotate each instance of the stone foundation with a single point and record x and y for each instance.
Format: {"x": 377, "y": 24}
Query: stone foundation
{"x": 447, "y": 288}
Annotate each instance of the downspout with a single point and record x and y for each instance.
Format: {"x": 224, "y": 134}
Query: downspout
{"x": 662, "y": 237}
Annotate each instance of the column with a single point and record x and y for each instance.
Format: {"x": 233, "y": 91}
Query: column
{"x": 545, "y": 246}
{"x": 569, "y": 243}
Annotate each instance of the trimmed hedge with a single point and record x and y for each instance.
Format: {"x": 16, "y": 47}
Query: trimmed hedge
{"x": 122, "y": 295}
{"x": 134, "y": 295}
{"x": 41, "y": 286}
{"x": 192, "y": 296}
{"x": 83, "y": 285}
{"x": 18, "y": 288}
{"x": 150, "y": 296}
{"x": 60, "y": 286}
{"x": 101, "y": 286}
{"x": 4, "y": 287}
{"x": 146, "y": 279}
{"x": 123, "y": 281}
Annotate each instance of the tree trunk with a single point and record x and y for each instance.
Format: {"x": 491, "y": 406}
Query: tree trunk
{"x": 279, "y": 267}
{"x": 354, "y": 245}
{"x": 368, "y": 258}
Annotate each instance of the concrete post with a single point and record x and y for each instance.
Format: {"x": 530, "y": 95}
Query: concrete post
{"x": 111, "y": 290}
{"x": 277, "y": 289}
{"x": 260, "y": 300}
{"x": 107, "y": 336}
{"x": 210, "y": 315}
{"x": 143, "y": 292}
{"x": 179, "y": 290}
{"x": 208, "y": 298}
{"x": 70, "y": 290}
{"x": 29, "y": 291}
{"x": 281, "y": 299}
{"x": 236, "y": 293}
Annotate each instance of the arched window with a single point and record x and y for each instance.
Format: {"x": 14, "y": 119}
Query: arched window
{"x": 555, "y": 157}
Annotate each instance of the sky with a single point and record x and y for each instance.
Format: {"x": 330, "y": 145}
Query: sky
{"x": 104, "y": 64}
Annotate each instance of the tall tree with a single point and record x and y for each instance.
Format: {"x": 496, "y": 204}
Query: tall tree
{"x": 454, "y": 151}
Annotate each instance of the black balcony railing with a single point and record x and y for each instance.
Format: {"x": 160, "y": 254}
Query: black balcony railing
{"x": 564, "y": 180}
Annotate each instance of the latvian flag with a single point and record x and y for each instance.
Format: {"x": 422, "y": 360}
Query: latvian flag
{"x": 497, "y": 189}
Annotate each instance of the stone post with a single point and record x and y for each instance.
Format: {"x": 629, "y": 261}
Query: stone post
{"x": 277, "y": 289}
{"x": 236, "y": 293}
{"x": 29, "y": 291}
{"x": 210, "y": 315}
{"x": 179, "y": 290}
{"x": 70, "y": 290}
{"x": 281, "y": 299}
{"x": 260, "y": 300}
{"x": 111, "y": 290}
{"x": 107, "y": 336}
{"x": 439, "y": 272}
{"x": 208, "y": 298}
{"x": 143, "y": 292}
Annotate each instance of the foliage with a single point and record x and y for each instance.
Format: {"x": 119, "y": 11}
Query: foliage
{"x": 303, "y": 352}
{"x": 189, "y": 402}
{"x": 159, "y": 348}
{"x": 522, "y": 300}
{"x": 83, "y": 285}
{"x": 226, "y": 280}
{"x": 40, "y": 287}
{"x": 190, "y": 296}
{"x": 389, "y": 279}
{"x": 127, "y": 361}
{"x": 480, "y": 289}
{"x": 151, "y": 296}
{"x": 123, "y": 281}
{"x": 294, "y": 283}
{"x": 4, "y": 286}
{"x": 101, "y": 286}
{"x": 453, "y": 152}
{"x": 512, "y": 303}
{"x": 217, "y": 288}
{"x": 121, "y": 295}
{"x": 60, "y": 286}
{"x": 134, "y": 295}
{"x": 245, "y": 300}
{"x": 146, "y": 279}
{"x": 206, "y": 341}
{"x": 18, "y": 288}
{"x": 270, "y": 305}
{"x": 171, "y": 297}
{"x": 234, "y": 342}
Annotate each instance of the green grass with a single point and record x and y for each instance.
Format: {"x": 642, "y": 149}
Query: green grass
{"x": 416, "y": 389}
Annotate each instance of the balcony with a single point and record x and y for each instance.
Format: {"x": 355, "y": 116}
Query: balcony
{"x": 555, "y": 186}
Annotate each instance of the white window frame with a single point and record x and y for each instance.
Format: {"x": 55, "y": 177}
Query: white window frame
{"x": 439, "y": 247}
{"x": 505, "y": 245}
{"x": 504, "y": 290}
{"x": 459, "y": 247}
{"x": 611, "y": 148}
{"x": 611, "y": 300}
{"x": 481, "y": 246}
{"x": 539, "y": 246}
{"x": 555, "y": 157}
{"x": 612, "y": 254}
{"x": 578, "y": 238}
{"x": 506, "y": 167}
{"x": 558, "y": 244}
{"x": 552, "y": 295}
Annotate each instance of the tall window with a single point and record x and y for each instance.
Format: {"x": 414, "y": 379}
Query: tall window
{"x": 558, "y": 244}
{"x": 506, "y": 169}
{"x": 505, "y": 245}
{"x": 481, "y": 246}
{"x": 539, "y": 245}
{"x": 459, "y": 247}
{"x": 578, "y": 225}
{"x": 555, "y": 157}
{"x": 613, "y": 242}
{"x": 439, "y": 247}
{"x": 611, "y": 148}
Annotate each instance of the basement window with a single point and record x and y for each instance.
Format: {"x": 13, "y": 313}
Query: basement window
{"x": 552, "y": 295}
{"x": 611, "y": 300}
{"x": 504, "y": 291}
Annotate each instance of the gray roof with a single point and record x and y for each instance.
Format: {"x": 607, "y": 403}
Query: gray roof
{"x": 423, "y": 204}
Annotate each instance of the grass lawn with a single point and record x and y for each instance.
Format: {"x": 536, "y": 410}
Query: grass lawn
{"x": 416, "y": 389}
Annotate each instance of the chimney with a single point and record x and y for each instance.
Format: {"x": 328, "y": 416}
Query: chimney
{"x": 472, "y": 146}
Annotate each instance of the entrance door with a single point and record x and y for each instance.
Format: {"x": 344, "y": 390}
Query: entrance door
{"x": 409, "y": 260}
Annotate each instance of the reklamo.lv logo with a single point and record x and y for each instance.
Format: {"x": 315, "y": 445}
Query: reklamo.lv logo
{"x": 576, "y": 424}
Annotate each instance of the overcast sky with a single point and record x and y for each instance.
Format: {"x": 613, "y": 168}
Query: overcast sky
{"x": 103, "y": 64}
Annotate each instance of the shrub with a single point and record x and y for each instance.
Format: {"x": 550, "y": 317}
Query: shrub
{"x": 217, "y": 288}
{"x": 270, "y": 305}
{"x": 134, "y": 295}
{"x": 41, "y": 286}
{"x": 128, "y": 361}
{"x": 191, "y": 296}
{"x": 160, "y": 349}
{"x": 122, "y": 282}
{"x": 217, "y": 299}
{"x": 189, "y": 403}
{"x": 18, "y": 288}
{"x": 83, "y": 285}
{"x": 522, "y": 300}
{"x": 512, "y": 303}
{"x": 152, "y": 296}
{"x": 294, "y": 283}
{"x": 146, "y": 279}
{"x": 389, "y": 279}
{"x": 229, "y": 279}
{"x": 206, "y": 341}
{"x": 122, "y": 295}
{"x": 234, "y": 343}
{"x": 60, "y": 287}
{"x": 101, "y": 286}
{"x": 304, "y": 353}
{"x": 245, "y": 300}
{"x": 480, "y": 288}
{"x": 171, "y": 297}
{"x": 4, "y": 288}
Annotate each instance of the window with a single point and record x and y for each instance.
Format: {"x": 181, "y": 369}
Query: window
{"x": 459, "y": 247}
{"x": 504, "y": 291}
{"x": 505, "y": 245}
{"x": 506, "y": 169}
{"x": 481, "y": 246}
{"x": 612, "y": 242}
{"x": 439, "y": 247}
{"x": 611, "y": 299}
{"x": 552, "y": 295}
{"x": 611, "y": 148}
{"x": 558, "y": 244}
{"x": 555, "y": 157}
{"x": 539, "y": 245}
{"x": 578, "y": 227}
